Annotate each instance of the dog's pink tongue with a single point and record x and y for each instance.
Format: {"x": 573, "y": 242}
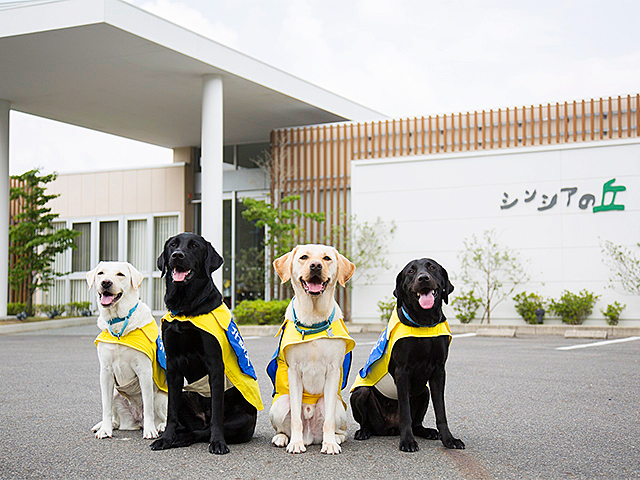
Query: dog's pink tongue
{"x": 315, "y": 287}
{"x": 427, "y": 300}
{"x": 106, "y": 299}
{"x": 178, "y": 276}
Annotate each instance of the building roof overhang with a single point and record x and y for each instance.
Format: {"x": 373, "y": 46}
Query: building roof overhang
{"x": 112, "y": 67}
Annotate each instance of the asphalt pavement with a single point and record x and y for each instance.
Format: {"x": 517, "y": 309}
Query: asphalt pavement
{"x": 524, "y": 409}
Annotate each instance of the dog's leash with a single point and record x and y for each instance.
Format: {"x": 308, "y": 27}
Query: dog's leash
{"x": 315, "y": 328}
{"x": 119, "y": 319}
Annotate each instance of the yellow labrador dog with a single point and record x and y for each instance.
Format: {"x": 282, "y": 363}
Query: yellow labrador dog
{"x": 127, "y": 350}
{"x": 309, "y": 368}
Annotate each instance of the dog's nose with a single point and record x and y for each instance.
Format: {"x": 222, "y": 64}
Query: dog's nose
{"x": 106, "y": 284}
{"x": 422, "y": 278}
{"x": 315, "y": 267}
{"x": 179, "y": 255}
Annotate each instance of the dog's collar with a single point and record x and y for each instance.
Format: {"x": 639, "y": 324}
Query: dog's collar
{"x": 121, "y": 319}
{"x": 415, "y": 324}
{"x": 316, "y": 327}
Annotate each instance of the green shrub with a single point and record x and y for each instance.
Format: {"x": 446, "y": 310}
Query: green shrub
{"x": 466, "y": 305}
{"x": 260, "y": 312}
{"x": 527, "y": 304}
{"x": 574, "y": 308}
{"x": 15, "y": 308}
{"x": 386, "y": 308}
{"x": 612, "y": 313}
{"x": 51, "y": 311}
{"x": 75, "y": 309}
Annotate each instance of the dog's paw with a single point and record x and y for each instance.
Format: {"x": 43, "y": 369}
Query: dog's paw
{"x": 362, "y": 434}
{"x": 409, "y": 446}
{"x": 340, "y": 438}
{"x": 296, "y": 447}
{"x": 428, "y": 433}
{"x": 96, "y": 427}
{"x": 218, "y": 448}
{"x": 280, "y": 440}
{"x": 150, "y": 433}
{"x": 162, "y": 444}
{"x": 161, "y": 426}
{"x": 104, "y": 432}
{"x": 330, "y": 448}
{"x": 454, "y": 443}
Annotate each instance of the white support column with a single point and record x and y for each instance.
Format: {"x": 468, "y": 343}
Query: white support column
{"x": 212, "y": 170}
{"x": 4, "y": 206}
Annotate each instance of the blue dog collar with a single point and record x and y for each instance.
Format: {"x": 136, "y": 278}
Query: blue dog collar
{"x": 121, "y": 319}
{"x": 413, "y": 323}
{"x": 316, "y": 327}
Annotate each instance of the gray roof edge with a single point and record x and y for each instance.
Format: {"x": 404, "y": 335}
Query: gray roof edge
{"x": 182, "y": 40}
{"x": 32, "y": 16}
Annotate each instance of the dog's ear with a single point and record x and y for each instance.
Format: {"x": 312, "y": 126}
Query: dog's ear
{"x": 213, "y": 260}
{"x": 448, "y": 287}
{"x": 163, "y": 262}
{"x": 282, "y": 265}
{"x": 346, "y": 269}
{"x": 91, "y": 276}
{"x": 136, "y": 276}
{"x": 398, "y": 290}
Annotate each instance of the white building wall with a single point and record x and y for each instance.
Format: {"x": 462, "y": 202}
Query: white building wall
{"x": 437, "y": 201}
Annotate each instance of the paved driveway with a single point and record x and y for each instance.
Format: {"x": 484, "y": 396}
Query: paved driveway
{"x": 524, "y": 409}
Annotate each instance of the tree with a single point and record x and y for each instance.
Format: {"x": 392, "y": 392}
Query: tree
{"x": 624, "y": 266}
{"x": 34, "y": 242}
{"x": 366, "y": 246}
{"x": 281, "y": 224}
{"x": 490, "y": 270}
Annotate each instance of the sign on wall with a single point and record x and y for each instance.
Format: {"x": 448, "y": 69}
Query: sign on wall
{"x": 573, "y": 197}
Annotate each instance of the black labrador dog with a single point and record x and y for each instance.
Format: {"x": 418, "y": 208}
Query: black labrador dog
{"x": 421, "y": 287}
{"x": 187, "y": 262}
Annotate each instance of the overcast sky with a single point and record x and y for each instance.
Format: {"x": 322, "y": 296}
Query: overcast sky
{"x": 400, "y": 57}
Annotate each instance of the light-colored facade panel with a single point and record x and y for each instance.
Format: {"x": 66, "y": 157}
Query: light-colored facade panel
{"x": 554, "y": 206}
{"x": 158, "y": 189}
{"x": 143, "y": 193}
{"x": 115, "y": 204}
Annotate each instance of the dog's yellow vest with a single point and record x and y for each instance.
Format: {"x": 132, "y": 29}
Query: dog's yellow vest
{"x": 278, "y": 370}
{"x": 144, "y": 340}
{"x": 377, "y": 365}
{"x": 237, "y": 366}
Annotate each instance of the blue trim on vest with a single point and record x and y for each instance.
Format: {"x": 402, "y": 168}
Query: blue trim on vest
{"x": 160, "y": 353}
{"x": 377, "y": 352}
{"x": 119, "y": 319}
{"x": 237, "y": 343}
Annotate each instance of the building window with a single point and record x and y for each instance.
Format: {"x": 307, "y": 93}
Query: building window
{"x": 81, "y": 255}
{"x": 137, "y": 244}
{"x": 164, "y": 228}
{"x": 251, "y": 155}
{"x": 108, "y": 242}
{"x": 59, "y": 261}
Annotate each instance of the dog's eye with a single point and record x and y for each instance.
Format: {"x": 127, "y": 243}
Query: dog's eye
{"x": 431, "y": 267}
{"x": 411, "y": 270}
{"x": 100, "y": 273}
{"x": 173, "y": 244}
{"x": 193, "y": 245}
{"x": 120, "y": 274}
{"x": 327, "y": 258}
{"x": 304, "y": 257}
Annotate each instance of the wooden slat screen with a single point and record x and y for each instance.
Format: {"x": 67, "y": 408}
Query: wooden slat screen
{"x": 314, "y": 162}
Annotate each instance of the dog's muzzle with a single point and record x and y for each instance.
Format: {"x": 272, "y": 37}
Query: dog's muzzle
{"x": 108, "y": 299}
{"x": 314, "y": 285}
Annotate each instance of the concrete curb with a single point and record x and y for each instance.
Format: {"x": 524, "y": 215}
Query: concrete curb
{"x": 270, "y": 330}
{"x": 46, "y": 325}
